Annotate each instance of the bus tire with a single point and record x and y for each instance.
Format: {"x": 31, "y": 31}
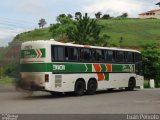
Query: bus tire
{"x": 91, "y": 87}
{"x": 131, "y": 84}
{"x": 79, "y": 88}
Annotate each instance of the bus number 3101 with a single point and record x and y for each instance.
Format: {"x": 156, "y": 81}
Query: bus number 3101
{"x": 58, "y": 67}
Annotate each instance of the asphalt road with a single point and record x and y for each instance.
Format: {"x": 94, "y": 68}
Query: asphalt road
{"x": 115, "y": 102}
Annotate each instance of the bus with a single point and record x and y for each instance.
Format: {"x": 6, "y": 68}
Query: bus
{"x": 66, "y": 67}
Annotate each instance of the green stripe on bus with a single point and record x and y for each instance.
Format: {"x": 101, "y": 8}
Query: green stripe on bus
{"x": 103, "y": 67}
{"x": 117, "y": 68}
{"x": 89, "y": 67}
{"x": 72, "y": 67}
{"x": 106, "y": 76}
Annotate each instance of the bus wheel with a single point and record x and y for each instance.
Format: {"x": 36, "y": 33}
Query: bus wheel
{"x": 91, "y": 87}
{"x": 79, "y": 88}
{"x": 131, "y": 85}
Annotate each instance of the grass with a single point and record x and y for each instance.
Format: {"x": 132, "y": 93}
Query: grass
{"x": 37, "y": 34}
{"x": 135, "y": 32}
{"x": 146, "y": 85}
{"x": 5, "y": 81}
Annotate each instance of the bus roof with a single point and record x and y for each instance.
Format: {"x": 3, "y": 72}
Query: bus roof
{"x": 53, "y": 42}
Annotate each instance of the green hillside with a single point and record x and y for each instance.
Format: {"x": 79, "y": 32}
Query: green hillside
{"x": 37, "y": 34}
{"x": 133, "y": 32}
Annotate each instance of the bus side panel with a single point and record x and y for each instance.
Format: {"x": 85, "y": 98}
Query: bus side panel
{"x": 66, "y": 82}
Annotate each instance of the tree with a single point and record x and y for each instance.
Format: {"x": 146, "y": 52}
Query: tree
{"x": 98, "y": 15}
{"x": 64, "y": 22}
{"x": 151, "y": 60}
{"x": 42, "y": 23}
{"x": 86, "y": 31}
{"x": 78, "y": 15}
{"x": 158, "y": 4}
{"x": 106, "y": 16}
{"x": 124, "y": 15}
{"x": 62, "y": 18}
{"x": 70, "y": 16}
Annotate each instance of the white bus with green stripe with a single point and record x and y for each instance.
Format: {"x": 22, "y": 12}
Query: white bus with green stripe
{"x": 65, "y": 67}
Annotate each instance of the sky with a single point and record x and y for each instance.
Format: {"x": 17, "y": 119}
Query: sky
{"x": 18, "y": 16}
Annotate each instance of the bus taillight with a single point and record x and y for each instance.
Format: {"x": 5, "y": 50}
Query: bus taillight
{"x": 46, "y": 77}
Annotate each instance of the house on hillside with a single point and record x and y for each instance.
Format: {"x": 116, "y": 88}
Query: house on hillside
{"x": 152, "y": 14}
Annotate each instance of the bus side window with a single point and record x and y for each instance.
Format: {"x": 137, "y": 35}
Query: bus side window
{"x": 120, "y": 56}
{"x": 85, "y": 54}
{"x": 60, "y": 55}
{"x": 109, "y": 56}
{"x": 57, "y": 53}
{"x": 73, "y": 54}
{"x": 138, "y": 63}
{"x": 129, "y": 57}
{"x": 53, "y": 53}
{"x": 137, "y": 57}
{"x": 99, "y": 55}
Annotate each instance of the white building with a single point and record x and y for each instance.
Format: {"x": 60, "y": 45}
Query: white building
{"x": 152, "y": 14}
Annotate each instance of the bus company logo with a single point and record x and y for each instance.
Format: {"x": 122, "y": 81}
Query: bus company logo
{"x": 131, "y": 68}
{"x": 33, "y": 53}
{"x": 58, "y": 67}
{"x": 128, "y": 68}
{"x": 27, "y": 54}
